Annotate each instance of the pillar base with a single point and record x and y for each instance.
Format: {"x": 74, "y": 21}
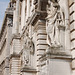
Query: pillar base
{"x": 56, "y": 62}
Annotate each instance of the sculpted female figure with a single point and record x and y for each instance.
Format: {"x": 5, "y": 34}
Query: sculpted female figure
{"x": 54, "y": 20}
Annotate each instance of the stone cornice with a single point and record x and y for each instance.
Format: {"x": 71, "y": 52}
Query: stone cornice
{"x": 56, "y": 54}
{"x": 28, "y": 69}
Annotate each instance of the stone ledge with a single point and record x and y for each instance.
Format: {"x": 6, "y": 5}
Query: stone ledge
{"x": 17, "y": 36}
{"x": 28, "y": 69}
{"x": 14, "y": 55}
{"x": 56, "y": 54}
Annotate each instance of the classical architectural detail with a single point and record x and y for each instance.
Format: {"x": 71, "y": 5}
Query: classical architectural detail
{"x": 38, "y": 38}
{"x": 28, "y": 49}
{"x": 55, "y": 20}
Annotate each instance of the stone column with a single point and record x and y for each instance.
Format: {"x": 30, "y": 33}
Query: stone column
{"x": 17, "y": 14}
{"x": 14, "y": 31}
{"x": 67, "y": 24}
{"x": 65, "y": 7}
{"x": 9, "y": 35}
{"x": 28, "y": 9}
{"x": 23, "y": 14}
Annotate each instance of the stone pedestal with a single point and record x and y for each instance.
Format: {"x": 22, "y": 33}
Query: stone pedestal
{"x": 56, "y": 62}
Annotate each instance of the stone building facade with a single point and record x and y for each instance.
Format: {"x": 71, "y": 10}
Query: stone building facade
{"x": 38, "y": 38}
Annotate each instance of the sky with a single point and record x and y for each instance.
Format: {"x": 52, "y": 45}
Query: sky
{"x": 3, "y": 6}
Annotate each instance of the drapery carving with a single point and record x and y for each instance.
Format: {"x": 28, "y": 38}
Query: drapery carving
{"x": 55, "y": 20}
{"x": 27, "y": 50}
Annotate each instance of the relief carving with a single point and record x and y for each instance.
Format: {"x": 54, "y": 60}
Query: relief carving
{"x": 55, "y": 20}
{"x": 28, "y": 50}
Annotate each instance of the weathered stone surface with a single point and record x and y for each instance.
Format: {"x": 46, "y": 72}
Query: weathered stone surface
{"x": 38, "y": 38}
{"x": 72, "y": 26}
{"x": 73, "y": 53}
{"x": 73, "y": 44}
{"x": 73, "y": 64}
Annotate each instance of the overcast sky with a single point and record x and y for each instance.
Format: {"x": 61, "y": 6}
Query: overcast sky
{"x": 3, "y": 6}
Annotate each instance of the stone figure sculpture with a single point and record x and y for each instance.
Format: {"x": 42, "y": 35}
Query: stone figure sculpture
{"x": 28, "y": 49}
{"x": 25, "y": 58}
{"x": 54, "y": 21}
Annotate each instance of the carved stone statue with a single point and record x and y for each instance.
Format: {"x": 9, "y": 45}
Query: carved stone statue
{"x": 54, "y": 21}
{"x": 28, "y": 49}
{"x": 25, "y": 58}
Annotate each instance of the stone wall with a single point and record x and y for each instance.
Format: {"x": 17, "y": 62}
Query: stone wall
{"x": 24, "y": 47}
{"x": 15, "y": 65}
{"x": 72, "y": 31}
